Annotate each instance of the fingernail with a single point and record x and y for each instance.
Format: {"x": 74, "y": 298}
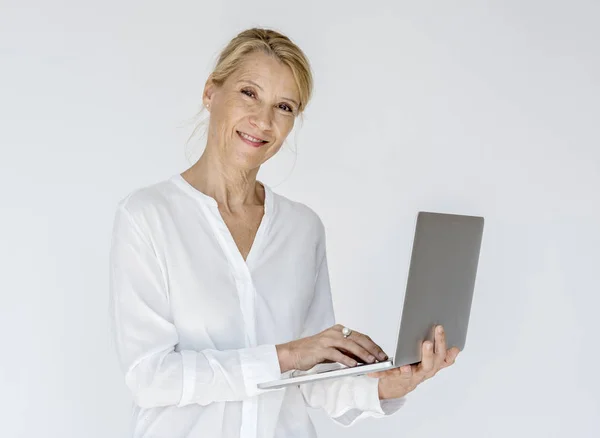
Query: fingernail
{"x": 382, "y": 355}
{"x": 440, "y": 329}
{"x": 371, "y": 358}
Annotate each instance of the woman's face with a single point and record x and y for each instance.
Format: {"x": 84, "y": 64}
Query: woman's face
{"x": 259, "y": 100}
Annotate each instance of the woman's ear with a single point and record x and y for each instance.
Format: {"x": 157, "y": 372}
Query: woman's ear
{"x": 209, "y": 89}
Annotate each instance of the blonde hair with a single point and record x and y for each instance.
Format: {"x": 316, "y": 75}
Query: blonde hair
{"x": 271, "y": 43}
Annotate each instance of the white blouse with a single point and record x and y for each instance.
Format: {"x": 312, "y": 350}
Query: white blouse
{"x": 195, "y": 326}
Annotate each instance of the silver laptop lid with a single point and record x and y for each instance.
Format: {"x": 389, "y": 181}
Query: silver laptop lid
{"x": 440, "y": 284}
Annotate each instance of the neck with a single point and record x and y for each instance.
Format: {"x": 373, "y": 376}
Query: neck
{"x": 232, "y": 188}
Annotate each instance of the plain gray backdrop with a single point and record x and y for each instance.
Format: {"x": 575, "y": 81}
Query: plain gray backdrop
{"x": 474, "y": 107}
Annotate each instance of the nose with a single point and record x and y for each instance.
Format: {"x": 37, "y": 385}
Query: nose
{"x": 262, "y": 118}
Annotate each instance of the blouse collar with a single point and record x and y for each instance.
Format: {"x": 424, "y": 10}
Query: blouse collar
{"x": 197, "y": 194}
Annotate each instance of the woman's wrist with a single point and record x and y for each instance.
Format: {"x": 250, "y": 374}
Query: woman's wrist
{"x": 380, "y": 391}
{"x": 283, "y": 354}
{"x": 383, "y": 395}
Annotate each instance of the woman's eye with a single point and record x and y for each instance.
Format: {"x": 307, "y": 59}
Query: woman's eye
{"x": 283, "y": 106}
{"x": 248, "y": 93}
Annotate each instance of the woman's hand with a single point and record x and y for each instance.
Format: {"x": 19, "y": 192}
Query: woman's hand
{"x": 398, "y": 382}
{"x": 328, "y": 346}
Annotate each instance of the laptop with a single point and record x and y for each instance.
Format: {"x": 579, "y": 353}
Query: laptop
{"x": 439, "y": 290}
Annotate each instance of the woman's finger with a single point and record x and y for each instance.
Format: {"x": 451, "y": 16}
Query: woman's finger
{"x": 440, "y": 346}
{"x": 403, "y": 371}
{"x": 426, "y": 364}
{"x": 451, "y": 355}
{"x": 336, "y": 355}
{"x": 406, "y": 371}
{"x": 346, "y": 344}
{"x": 394, "y": 372}
{"x": 367, "y": 343}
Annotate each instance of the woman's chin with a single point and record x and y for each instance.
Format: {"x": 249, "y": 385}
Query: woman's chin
{"x": 247, "y": 157}
{"x": 245, "y": 160}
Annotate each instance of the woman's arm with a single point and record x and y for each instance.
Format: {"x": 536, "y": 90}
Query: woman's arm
{"x": 345, "y": 399}
{"x": 145, "y": 336}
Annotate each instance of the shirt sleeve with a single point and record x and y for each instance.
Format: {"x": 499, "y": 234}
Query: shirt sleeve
{"x": 346, "y": 399}
{"x": 146, "y": 339}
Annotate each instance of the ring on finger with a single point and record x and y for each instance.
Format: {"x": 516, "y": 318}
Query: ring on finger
{"x": 346, "y": 332}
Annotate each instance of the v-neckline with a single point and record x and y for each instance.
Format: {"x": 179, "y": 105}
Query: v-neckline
{"x": 225, "y": 233}
{"x": 255, "y": 240}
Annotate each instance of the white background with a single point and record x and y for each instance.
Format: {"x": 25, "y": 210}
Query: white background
{"x": 487, "y": 108}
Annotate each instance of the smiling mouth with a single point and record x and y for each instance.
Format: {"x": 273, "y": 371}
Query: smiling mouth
{"x": 250, "y": 139}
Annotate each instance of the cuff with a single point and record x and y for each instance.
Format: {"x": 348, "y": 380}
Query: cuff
{"x": 391, "y": 405}
{"x": 259, "y": 364}
{"x": 188, "y": 361}
{"x": 366, "y": 402}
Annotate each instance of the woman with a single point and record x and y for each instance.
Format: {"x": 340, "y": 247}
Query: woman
{"x": 217, "y": 283}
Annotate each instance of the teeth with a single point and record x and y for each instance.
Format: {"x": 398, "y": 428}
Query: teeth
{"x": 255, "y": 140}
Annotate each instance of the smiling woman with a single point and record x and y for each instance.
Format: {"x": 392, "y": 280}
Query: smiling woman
{"x": 255, "y": 106}
{"x": 218, "y": 284}
{"x": 259, "y": 70}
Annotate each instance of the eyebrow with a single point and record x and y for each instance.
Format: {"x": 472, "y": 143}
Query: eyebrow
{"x": 260, "y": 88}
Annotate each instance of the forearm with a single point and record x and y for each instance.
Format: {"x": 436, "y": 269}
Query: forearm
{"x": 285, "y": 357}
{"x": 187, "y": 377}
